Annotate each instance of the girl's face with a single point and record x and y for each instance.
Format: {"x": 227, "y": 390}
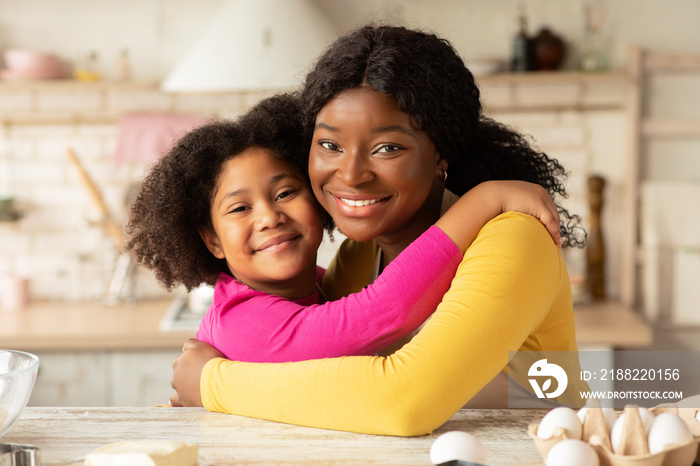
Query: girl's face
{"x": 373, "y": 169}
{"x": 266, "y": 224}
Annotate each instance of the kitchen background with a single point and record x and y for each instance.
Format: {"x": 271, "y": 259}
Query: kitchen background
{"x": 57, "y": 236}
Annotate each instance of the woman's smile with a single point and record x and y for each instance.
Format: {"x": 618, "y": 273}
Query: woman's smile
{"x": 360, "y": 206}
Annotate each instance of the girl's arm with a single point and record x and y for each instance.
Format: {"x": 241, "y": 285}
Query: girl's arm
{"x": 258, "y": 327}
{"x": 396, "y": 304}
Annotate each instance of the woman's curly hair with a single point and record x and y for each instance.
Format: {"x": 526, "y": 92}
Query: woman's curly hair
{"x": 174, "y": 201}
{"x": 431, "y": 83}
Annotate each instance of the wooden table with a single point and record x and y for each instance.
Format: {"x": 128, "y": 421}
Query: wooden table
{"x": 65, "y": 435}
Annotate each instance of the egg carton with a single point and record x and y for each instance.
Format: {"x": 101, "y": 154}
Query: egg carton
{"x": 633, "y": 449}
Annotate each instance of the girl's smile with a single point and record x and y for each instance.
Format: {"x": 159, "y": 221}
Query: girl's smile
{"x": 277, "y": 243}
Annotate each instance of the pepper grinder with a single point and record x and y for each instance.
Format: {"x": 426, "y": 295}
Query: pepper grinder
{"x": 595, "y": 251}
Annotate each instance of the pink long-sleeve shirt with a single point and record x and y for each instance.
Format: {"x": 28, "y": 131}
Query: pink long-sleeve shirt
{"x": 253, "y": 326}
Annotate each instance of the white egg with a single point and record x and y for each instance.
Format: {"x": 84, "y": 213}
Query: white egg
{"x": 668, "y": 429}
{"x": 457, "y": 445}
{"x": 572, "y": 452}
{"x": 563, "y": 417}
{"x": 608, "y": 414}
{"x": 645, "y": 415}
{"x": 647, "y": 418}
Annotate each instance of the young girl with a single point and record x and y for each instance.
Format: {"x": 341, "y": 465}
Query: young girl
{"x": 230, "y": 205}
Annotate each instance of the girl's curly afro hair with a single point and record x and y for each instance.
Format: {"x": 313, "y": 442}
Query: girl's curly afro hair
{"x": 430, "y": 82}
{"x": 174, "y": 200}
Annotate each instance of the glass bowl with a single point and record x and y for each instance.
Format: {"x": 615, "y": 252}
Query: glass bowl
{"x": 17, "y": 375}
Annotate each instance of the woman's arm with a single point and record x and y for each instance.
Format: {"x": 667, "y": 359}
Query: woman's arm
{"x": 503, "y": 289}
{"x": 396, "y": 304}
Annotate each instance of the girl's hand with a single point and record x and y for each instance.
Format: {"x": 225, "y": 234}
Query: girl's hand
{"x": 489, "y": 199}
{"x": 527, "y": 198}
{"x": 187, "y": 371}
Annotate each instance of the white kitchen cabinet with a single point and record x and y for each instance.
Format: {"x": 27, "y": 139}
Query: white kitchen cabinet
{"x": 96, "y": 355}
{"x": 103, "y": 378}
{"x": 140, "y": 378}
{"x": 70, "y": 379}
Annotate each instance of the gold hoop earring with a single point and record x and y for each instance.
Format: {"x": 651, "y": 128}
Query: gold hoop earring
{"x": 443, "y": 176}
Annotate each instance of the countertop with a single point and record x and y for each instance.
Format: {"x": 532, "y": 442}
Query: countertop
{"x": 94, "y": 326}
{"x": 65, "y": 435}
{"x": 89, "y": 326}
{"x": 609, "y": 323}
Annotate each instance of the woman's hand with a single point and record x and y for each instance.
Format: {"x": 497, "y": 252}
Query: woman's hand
{"x": 187, "y": 371}
{"x": 489, "y": 199}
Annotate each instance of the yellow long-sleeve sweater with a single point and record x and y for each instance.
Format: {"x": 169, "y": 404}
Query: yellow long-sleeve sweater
{"x": 511, "y": 292}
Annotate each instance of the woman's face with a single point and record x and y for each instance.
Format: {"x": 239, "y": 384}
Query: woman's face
{"x": 372, "y": 168}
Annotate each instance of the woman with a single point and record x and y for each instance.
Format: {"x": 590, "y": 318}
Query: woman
{"x": 390, "y": 112}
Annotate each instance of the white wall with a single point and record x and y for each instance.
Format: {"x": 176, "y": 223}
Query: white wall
{"x": 156, "y": 32}
{"x": 159, "y": 32}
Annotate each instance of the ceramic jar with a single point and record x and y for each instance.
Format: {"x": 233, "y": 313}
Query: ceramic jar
{"x": 548, "y": 50}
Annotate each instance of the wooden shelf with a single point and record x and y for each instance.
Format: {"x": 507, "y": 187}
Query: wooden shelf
{"x": 71, "y": 84}
{"x": 553, "y": 91}
{"x": 657, "y": 128}
{"x": 674, "y": 63}
{"x": 564, "y": 76}
{"x": 554, "y": 77}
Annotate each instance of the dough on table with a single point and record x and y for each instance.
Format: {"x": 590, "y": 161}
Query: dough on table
{"x": 144, "y": 453}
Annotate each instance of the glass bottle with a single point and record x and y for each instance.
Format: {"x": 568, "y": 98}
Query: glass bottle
{"x": 86, "y": 70}
{"x": 123, "y": 71}
{"x": 522, "y": 46}
{"x": 592, "y": 54}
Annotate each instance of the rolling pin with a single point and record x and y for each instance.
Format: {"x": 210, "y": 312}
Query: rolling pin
{"x": 113, "y": 230}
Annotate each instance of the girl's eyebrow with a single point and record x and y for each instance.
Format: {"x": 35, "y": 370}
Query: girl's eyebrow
{"x": 281, "y": 177}
{"x": 232, "y": 194}
{"x": 377, "y": 130}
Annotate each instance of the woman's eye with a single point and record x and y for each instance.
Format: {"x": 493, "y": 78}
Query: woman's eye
{"x": 328, "y": 145}
{"x": 387, "y": 148}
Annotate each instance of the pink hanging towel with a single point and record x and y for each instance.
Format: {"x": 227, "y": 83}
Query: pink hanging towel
{"x": 146, "y": 136}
